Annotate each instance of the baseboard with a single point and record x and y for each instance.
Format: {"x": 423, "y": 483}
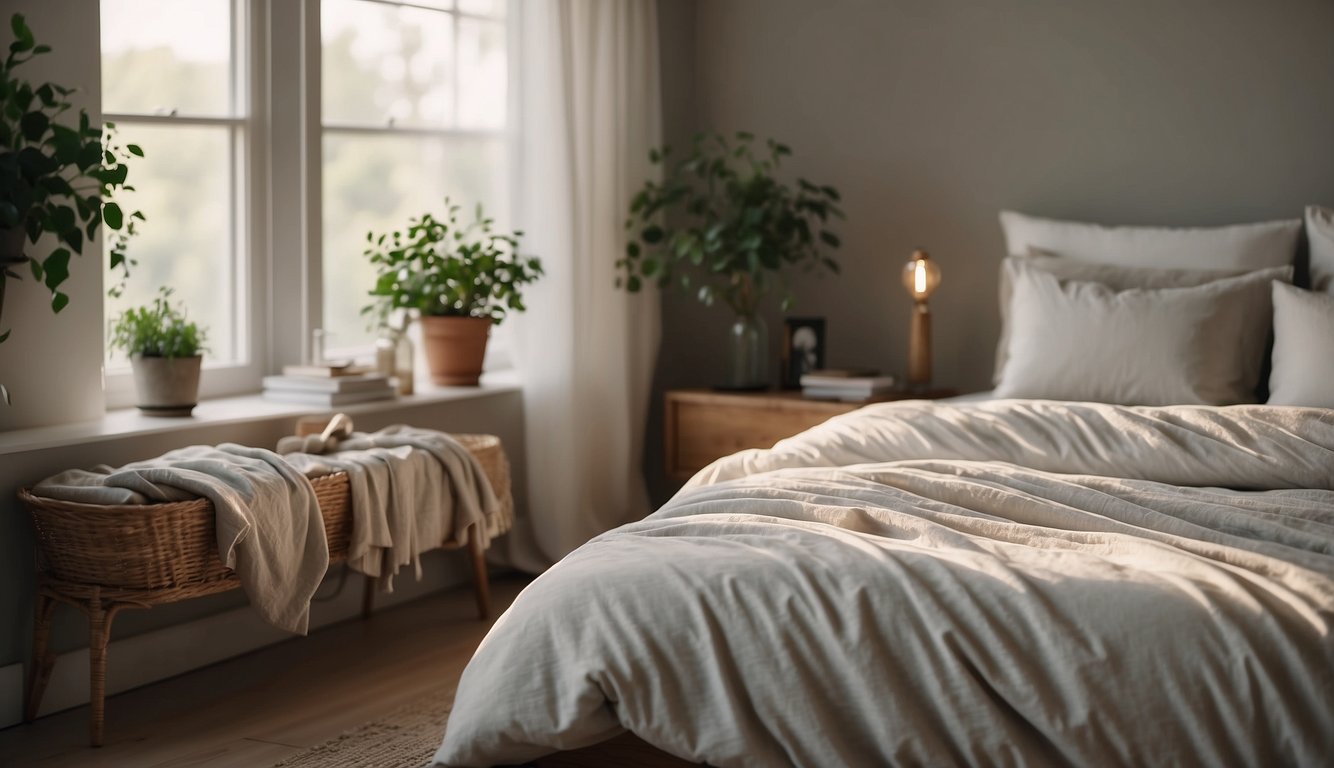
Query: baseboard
{"x": 180, "y": 648}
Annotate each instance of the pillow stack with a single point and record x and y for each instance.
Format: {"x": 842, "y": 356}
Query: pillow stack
{"x": 1143, "y": 315}
{"x": 1303, "y": 372}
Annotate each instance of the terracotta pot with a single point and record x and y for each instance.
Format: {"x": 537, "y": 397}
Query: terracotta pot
{"x": 166, "y": 386}
{"x": 455, "y": 347}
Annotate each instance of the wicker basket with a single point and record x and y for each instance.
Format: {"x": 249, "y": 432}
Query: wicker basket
{"x": 173, "y": 546}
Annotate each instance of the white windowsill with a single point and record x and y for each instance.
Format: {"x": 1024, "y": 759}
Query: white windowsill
{"x": 231, "y": 410}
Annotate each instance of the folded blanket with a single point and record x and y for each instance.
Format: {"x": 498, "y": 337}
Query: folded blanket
{"x": 269, "y": 527}
{"x": 412, "y": 491}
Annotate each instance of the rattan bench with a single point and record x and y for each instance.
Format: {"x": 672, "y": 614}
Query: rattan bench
{"x": 103, "y": 559}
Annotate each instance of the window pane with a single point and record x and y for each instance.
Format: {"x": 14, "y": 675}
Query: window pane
{"x": 183, "y": 186}
{"x": 375, "y": 183}
{"x": 385, "y": 63}
{"x": 482, "y": 91}
{"x": 163, "y": 55}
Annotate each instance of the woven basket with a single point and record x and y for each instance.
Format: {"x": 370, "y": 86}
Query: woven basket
{"x": 174, "y": 546}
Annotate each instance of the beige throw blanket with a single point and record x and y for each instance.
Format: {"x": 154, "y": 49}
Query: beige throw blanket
{"x": 412, "y": 491}
{"x": 269, "y": 526}
{"x": 1006, "y": 583}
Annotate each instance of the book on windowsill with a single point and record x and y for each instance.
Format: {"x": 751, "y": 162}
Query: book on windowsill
{"x": 326, "y": 399}
{"x": 327, "y": 370}
{"x": 848, "y": 385}
{"x": 366, "y": 382}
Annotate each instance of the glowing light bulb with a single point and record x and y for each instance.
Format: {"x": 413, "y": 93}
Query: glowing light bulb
{"x": 921, "y": 276}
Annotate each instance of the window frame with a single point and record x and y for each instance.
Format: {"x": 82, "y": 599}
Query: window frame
{"x": 498, "y": 353}
{"x": 246, "y": 205}
{"x": 277, "y": 196}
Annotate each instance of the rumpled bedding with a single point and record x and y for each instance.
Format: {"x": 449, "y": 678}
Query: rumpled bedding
{"x": 1000, "y": 583}
{"x": 268, "y": 521}
{"x": 412, "y": 491}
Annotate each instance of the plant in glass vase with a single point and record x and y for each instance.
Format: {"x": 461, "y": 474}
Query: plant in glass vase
{"x": 722, "y": 226}
{"x": 56, "y": 179}
{"x": 458, "y": 279}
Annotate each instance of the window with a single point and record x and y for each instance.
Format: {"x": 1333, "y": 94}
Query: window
{"x": 173, "y": 81}
{"x": 234, "y": 101}
{"x": 414, "y": 104}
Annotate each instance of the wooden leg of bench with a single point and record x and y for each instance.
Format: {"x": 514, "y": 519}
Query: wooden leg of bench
{"x": 477, "y": 553}
{"x": 99, "y": 632}
{"x": 368, "y": 598}
{"x": 43, "y": 661}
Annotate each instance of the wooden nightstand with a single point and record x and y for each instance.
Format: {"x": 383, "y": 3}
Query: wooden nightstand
{"x": 701, "y": 425}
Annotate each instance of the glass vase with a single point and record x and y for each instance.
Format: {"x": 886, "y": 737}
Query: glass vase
{"x": 748, "y": 354}
{"x": 404, "y": 363}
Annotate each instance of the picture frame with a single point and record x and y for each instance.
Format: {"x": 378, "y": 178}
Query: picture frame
{"x": 803, "y": 348}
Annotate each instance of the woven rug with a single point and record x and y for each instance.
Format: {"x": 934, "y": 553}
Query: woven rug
{"x": 408, "y": 737}
{"x": 404, "y": 738}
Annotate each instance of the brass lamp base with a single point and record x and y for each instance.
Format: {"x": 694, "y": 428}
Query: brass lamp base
{"x": 919, "y": 348}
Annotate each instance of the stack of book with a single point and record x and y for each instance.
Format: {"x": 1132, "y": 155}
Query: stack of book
{"x": 850, "y": 385}
{"x": 326, "y": 386}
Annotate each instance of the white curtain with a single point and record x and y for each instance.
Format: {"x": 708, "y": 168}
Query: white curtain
{"x": 589, "y": 113}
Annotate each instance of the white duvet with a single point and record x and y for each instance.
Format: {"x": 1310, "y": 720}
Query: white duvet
{"x": 1003, "y": 583}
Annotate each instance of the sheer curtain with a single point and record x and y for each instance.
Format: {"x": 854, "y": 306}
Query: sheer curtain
{"x": 589, "y": 113}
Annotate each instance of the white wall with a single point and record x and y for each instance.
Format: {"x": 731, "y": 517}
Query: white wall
{"x": 52, "y": 364}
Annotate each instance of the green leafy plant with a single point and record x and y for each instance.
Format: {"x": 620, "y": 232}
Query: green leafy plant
{"x": 444, "y": 267}
{"x": 55, "y": 178}
{"x": 157, "y": 330}
{"x": 722, "y": 225}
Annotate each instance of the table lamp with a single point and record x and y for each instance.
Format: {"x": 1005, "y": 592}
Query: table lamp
{"x": 920, "y": 277}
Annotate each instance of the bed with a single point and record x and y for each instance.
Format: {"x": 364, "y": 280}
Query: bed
{"x": 1037, "y": 579}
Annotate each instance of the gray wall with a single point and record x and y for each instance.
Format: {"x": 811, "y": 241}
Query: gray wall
{"x": 931, "y": 115}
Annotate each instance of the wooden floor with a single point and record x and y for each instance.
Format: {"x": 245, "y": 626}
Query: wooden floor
{"x": 263, "y": 707}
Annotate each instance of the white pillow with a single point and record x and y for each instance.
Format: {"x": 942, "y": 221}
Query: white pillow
{"x": 1084, "y": 341}
{"x": 1303, "y": 371}
{"x": 1114, "y": 277}
{"x": 1240, "y": 246}
{"x": 1320, "y": 235}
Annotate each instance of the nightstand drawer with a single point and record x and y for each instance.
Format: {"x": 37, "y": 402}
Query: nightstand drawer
{"x": 708, "y": 432}
{"x": 702, "y": 426}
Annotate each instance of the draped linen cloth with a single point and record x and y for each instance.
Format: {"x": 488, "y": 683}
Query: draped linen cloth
{"x": 412, "y": 490}
{"x": 269, "y": 527}
{"x": 590, "y": 112}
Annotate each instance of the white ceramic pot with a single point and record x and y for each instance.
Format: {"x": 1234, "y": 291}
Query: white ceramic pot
{"x": 166, "y": 386}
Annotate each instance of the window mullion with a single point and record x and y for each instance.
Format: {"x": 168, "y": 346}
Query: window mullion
{"x": 146, "y": 119}
{"x": 400, "y": 130}
{"x": 294, "y": 206}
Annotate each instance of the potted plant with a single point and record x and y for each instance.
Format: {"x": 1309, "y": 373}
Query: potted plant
{"x": 56, "y": 179}
{"x": 165, "y": 352}
{"x": 722, "y": 225}
{"x": 459, "y": 279}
